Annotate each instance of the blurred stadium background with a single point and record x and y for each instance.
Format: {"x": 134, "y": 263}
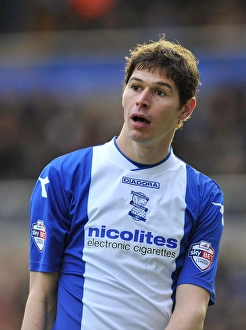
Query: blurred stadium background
{"x": 61, "y": 73}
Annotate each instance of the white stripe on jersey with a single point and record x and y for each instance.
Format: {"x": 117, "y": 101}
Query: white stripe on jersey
{"x": 130, "y": 260}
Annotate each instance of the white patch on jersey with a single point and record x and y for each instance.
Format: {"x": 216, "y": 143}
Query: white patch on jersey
{"x": 202, "y": 255}
{"x": 221, "y": 210}
{"x": 44, "y": 182}
{"x": 38, "y": 233}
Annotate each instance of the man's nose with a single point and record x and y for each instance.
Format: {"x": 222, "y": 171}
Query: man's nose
{"x": 143, "y": 99}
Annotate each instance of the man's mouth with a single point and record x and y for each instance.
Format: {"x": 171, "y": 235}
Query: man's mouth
{"x": 138, "y": 119}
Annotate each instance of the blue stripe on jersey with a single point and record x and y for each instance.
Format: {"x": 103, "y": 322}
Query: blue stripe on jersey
{"x": 72, "y": 298}
{"x": 69, "y": 215}
{"x": 201, "y": 193}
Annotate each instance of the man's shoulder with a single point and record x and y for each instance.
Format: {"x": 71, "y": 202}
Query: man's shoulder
{"x": 203, "y": 181}
{"x": 72, "y": 159}
{"x": 74, "y": 163}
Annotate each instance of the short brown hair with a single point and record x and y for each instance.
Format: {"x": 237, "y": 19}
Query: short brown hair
{"x": 179, "y": 63}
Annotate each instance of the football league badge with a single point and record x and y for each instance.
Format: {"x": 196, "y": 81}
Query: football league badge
{"x": 202, "y": 255}
{"x": 39, "y": 234}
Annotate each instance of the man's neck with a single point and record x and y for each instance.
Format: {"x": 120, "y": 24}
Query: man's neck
{"x": 142, "y": 153}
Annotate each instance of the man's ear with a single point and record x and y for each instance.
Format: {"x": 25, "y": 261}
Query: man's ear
{"x": 187, "y": 109}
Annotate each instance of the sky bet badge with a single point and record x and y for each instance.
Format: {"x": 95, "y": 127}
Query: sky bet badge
{"x": 202, "y": 255}
{"x": 39, "y": 234}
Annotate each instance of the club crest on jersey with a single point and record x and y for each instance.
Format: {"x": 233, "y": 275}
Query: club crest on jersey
{"x": 139, "y": 200}
{"x": 202, "y": 255}
{"x": 38, "y": 233}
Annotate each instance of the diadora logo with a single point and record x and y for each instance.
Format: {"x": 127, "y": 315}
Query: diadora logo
{"x": 202, "y": 255}
{"x": 38, "y": 233}
{"x": 141, "y": 182}
{"x": 139, "y": 200}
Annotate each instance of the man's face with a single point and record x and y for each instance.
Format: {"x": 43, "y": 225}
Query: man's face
{"x": 151, "y": 107}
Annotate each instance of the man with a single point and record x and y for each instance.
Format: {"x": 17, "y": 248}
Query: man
{"x": 126, "y": 235}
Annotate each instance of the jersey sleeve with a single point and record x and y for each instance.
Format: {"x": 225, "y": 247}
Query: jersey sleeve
{"x": 206, "y": 213}
{"x": 49, "y": 221}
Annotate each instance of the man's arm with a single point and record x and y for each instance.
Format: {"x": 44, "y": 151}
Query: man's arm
{"x": 41, "y": 304}
{"x": 190, "y": 309}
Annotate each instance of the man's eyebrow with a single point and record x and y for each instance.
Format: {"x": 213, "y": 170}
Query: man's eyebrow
{"x": 157, "y": 83}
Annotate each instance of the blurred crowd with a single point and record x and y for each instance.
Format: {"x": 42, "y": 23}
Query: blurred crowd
{"x": 49, "y": 15}
{"x": 229, "y": 311}
{"x": 37, "y": 128}
{"x": 214, "y": 139}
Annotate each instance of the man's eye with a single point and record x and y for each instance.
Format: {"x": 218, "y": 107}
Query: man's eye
{"x": 135, "y": 87}
{"x": 160, "y": 92}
